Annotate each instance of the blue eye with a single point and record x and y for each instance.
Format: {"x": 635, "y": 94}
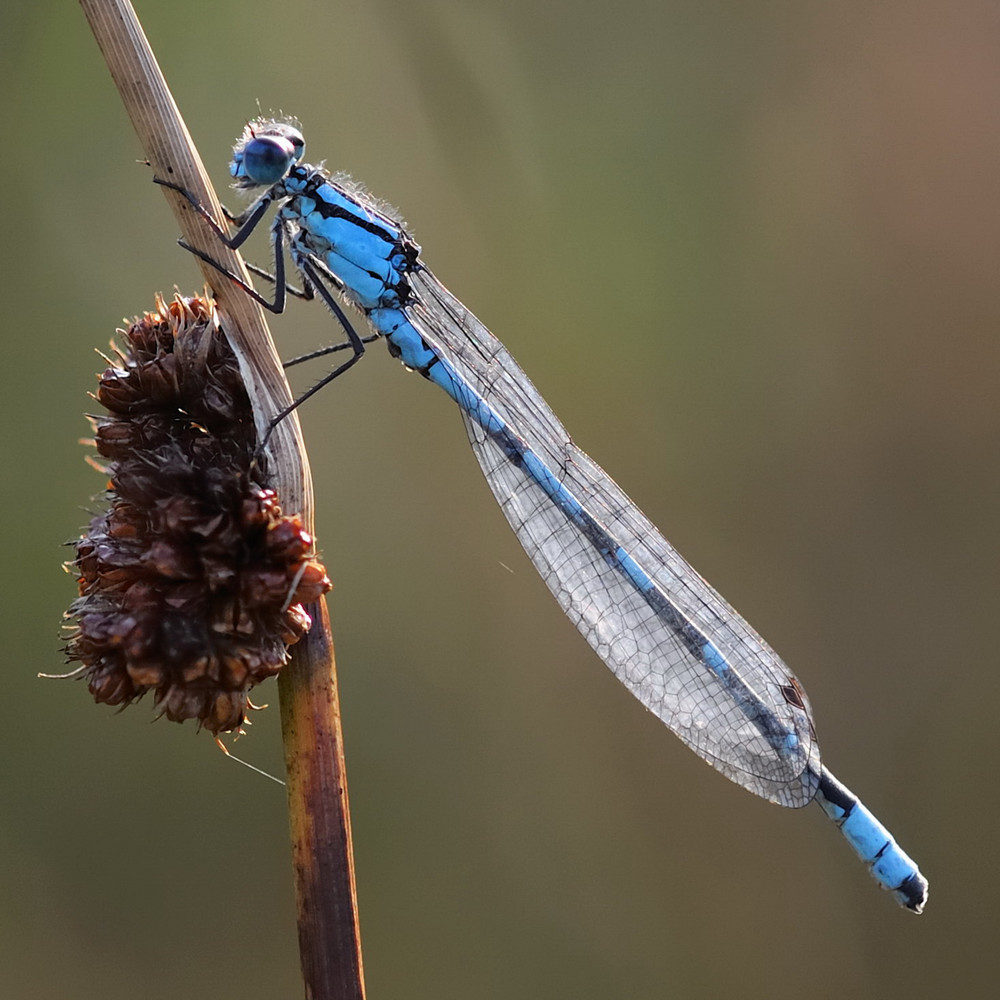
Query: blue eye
{"x": 266, "y": 159}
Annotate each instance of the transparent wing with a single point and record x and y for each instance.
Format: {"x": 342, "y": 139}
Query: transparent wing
{"x": 640, "y": 646}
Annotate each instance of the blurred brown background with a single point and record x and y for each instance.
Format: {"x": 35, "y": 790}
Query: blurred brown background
{"x": 749, "y": 252}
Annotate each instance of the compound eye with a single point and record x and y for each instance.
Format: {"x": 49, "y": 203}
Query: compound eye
{"x": 266, "y": 159}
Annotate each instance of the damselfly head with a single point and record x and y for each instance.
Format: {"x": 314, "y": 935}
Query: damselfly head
{"x": 265, "y": 152}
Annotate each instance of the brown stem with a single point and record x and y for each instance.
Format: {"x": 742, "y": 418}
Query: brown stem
{"x": 322, "y": 857}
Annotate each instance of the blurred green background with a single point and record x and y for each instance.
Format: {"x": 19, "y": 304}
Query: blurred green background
{"x": 749, "y": 252}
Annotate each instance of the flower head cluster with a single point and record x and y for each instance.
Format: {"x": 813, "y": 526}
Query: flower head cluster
{"x": 191, "y": 581}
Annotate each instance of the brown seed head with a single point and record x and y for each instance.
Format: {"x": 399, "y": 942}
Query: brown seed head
{"x": 192, "y": 581}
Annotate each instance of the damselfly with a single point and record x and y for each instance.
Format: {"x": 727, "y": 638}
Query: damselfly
{"x": 665, "y": 633}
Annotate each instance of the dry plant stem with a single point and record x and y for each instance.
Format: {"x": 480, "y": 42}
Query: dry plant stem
{"x": 321, "y": 838}
{"x": 320, "y": 825}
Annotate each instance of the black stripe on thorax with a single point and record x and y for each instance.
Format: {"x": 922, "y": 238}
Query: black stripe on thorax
{"x": 314, "y": 180}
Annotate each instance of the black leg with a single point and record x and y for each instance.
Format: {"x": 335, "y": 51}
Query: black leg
{"x": 247, "y": 222}
{"x": 324, "y": 351}
{"x": 280, "y": 287}
{"x": 355, "y": 342}
{"x": 307, "y": 294}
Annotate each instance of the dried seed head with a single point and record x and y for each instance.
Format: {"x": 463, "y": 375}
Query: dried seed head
{"x": 192, "y": 581}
